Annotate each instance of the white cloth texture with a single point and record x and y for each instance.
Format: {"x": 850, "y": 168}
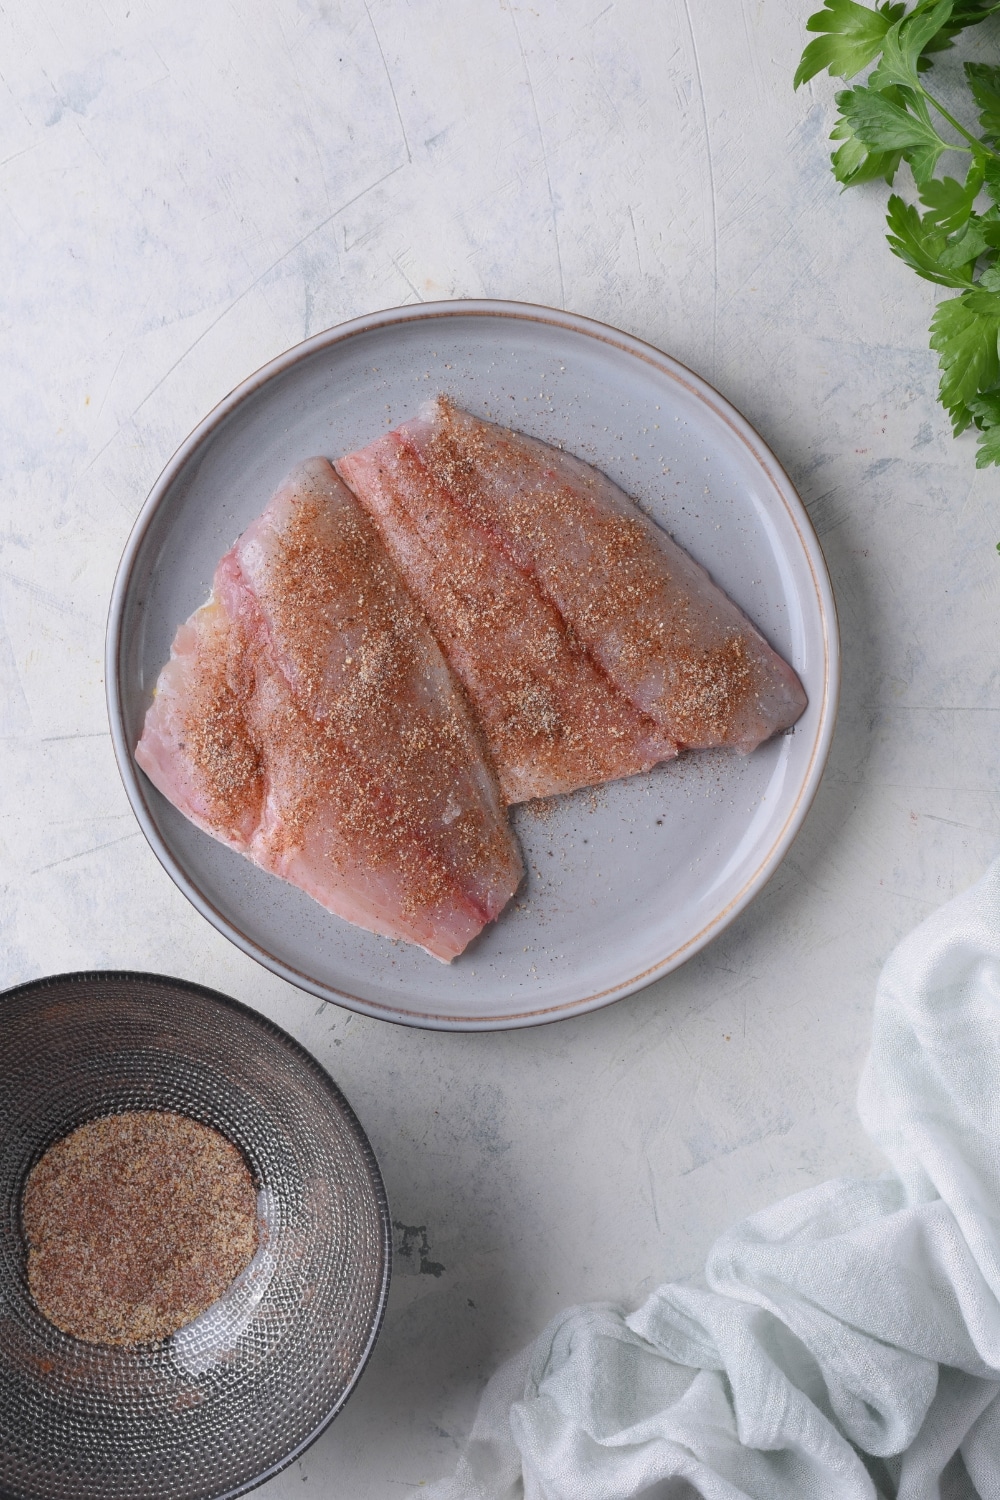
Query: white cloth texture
{"x": 844, "y": 1344}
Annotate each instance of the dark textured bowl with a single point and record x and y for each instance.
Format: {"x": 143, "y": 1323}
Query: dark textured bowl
{"x": 226, "y": 1402}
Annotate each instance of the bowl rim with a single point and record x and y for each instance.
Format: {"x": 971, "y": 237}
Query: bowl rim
{"x": 302, "y": 1055}
{"x": 647, "y": 353}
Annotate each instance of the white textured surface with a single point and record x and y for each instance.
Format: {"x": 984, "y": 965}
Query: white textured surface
{"x": 187, "y": 189}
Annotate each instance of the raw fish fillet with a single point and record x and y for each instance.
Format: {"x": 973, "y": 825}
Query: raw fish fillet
{"x": 553, "y": 720}
{"x": 591, "y": 644}
{"x": 308, "y": 719}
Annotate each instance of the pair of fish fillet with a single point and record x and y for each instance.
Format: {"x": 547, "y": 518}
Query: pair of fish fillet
{"x": 455, "y": 618}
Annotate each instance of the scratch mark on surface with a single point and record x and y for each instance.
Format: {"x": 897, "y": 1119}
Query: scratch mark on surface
{"x": 246, "y": 292}
{"x": 795, "y": 226}
{"x": 652, "y": 1196}
{"x": 86, "y": 822}
{"x": 922, "y": 903}
{"x": 749, "y": 33}
{"x": 84, "y": 852}
{"x": 102, "y": 449}
{"x": 15, "y": 154}
{"x": 17, "y": 698}
{"x": 388, "y": 75}
{"x": 13, "y": 97}
{"x": 545, "y": 159}
{"x": 617, "y": 111}
{"x": 114, "y": 377}
{"x": 95, "y": 734}
{"x": 51, "y": 601}
{"x": 308, "y": 114}
{"x": 86, "y": 138}
{"x": 707, "y": 1151}
{"x": 635, "y": 239}
{"x": 711, "y": 184}
{"x": 406, "y": 278}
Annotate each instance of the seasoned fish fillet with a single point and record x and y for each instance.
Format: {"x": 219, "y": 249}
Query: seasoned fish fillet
{"x": 553, "y": 719}
{"x": 591, "y": 644}
{"x": 308, "y": 719}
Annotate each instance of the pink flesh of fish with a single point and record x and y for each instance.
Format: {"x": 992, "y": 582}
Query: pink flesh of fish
{"x": 308, "y": 719}
{"x": 661, "y": 642}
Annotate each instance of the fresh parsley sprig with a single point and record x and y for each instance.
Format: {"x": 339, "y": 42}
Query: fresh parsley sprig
{"x": 953, "y": 238}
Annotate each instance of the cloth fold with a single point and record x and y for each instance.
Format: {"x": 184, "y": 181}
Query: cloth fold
{"x": 844, "y": 1344}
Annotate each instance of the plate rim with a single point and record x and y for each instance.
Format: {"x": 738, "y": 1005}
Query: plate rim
{"x": 84, "y": 977}
{"x": 647, "y": 353}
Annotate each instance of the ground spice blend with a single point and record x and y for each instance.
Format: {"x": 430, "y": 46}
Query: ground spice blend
{"x": 136, "y": 1223}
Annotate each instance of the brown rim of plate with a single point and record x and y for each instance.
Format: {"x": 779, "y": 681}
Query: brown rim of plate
{"x": 665, "y": 365}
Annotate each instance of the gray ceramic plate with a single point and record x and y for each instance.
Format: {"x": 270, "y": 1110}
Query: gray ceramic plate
{"x": 624, "y": 883}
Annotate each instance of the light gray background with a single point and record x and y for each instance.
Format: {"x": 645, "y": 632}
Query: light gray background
{"x": 189, "y": 188}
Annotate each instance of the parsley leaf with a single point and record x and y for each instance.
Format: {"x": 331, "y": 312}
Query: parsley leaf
{"x": 921, "y": 245}
{"x": 966, "y": 13}
{"x": 985, "y": 409}
{"x": 984, "y": 82}
{"x": 853, "y": 37}
{"x": 949, "y": 203}
{"x": 903, "y": 44}
{"x": 883, "y": 125}
{"x": 964, "y": 332}
{"x": 986, "y": 415}
{"x": 977, "y": 235}
{"x": 891, "y": 117}
{"x": 988, "y": 449}
{"x": 854, "y": 162}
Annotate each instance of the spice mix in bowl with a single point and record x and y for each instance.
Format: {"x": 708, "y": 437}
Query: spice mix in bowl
{"x": 136, "y": 1224}
{"x": 194, "y": 1243}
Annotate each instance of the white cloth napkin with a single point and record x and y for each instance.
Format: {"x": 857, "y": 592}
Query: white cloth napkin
{"x": 844, "y": 1343}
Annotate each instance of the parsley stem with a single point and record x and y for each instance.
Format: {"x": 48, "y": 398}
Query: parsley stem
{"x": 978, "y": 148}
